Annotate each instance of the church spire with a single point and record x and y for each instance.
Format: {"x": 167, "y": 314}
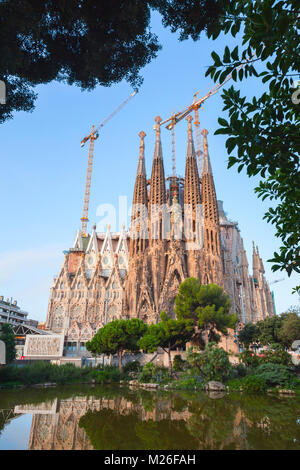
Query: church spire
{"x": 158, "y": 188}
{"x": 140, "y": 188}
{"x": 192, "y": 196}
{"x": 210, "y": 205}
{"x": 141, "y": 171}
{"x": 140, "y": 202}
{"x": 191, "y": 182}
{"x": 206, "y": 160}
{"x": 157, "y": 197}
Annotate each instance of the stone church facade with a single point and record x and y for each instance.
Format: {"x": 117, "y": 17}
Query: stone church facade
{"x": 178, "y": 230}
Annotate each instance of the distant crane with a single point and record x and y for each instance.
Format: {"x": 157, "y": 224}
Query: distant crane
{"x": 196, "y": 104}
{"x": 277, "y": 280}
{"x": 92, "y": 137}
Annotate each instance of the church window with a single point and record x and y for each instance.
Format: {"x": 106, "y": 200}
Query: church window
{"x": 79, "y": 285}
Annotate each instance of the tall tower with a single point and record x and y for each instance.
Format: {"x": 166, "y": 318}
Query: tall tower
{"x": 192, "y": 206}
{"x": 157, "y": 197}
{"x": 139, "y": 215}
{"x": 211, "y": 223}
{"x": 192, "y": 197}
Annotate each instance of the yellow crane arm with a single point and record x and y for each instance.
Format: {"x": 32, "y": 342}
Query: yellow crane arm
{"x": 197, "y": 103}
{"x": 92, "y": 137}
{"x": 95, "y": 131}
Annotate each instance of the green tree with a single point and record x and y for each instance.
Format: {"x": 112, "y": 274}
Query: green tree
{"x": 213, "y": 362}
{"x": 207, "y": 306}
{"x": 216, "y": 364}
{"x": 248, "y": 335}
{"x": 8, "y": 337}
{"x": 268, "y": 330}
{"x": 82, "y": 42}
{"x": 264, "y": 131}
{"x": 290, "y": 328}
{"x": 167, "y": 334}
{"x": 117, "y": 337}
{"x": 276, "y": 354}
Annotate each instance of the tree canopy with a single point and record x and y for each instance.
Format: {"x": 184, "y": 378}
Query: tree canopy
{"x": 84, "y": 42}
{"x": 167, "y": 334}
{"x": 207, "y": 306}
{"x": 281, "y": 329}
{"x": 117, "y": 337}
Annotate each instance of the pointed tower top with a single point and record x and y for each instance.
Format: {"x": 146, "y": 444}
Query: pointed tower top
{"x": 158, "y": 119}
{"x": 189, "y": 120}
{"x": 141, "y": 165}
{"x": 157, "y": 194}
{"x": 157, "y": 148}
{"x": 190, "y": 144}
{"x": 206, "y": 160}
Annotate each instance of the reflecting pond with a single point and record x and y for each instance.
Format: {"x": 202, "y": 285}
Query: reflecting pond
{"x": 116, "y": 418}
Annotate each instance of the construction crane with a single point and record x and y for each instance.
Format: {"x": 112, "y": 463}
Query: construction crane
{"x": 196, "y": 104}
{"x": 92, "y": 137}
{"x": 277, "y": 280}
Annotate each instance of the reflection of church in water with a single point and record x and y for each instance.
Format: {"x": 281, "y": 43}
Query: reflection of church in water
{"x": 56, "y": 425}
{"x": 137, "y": 273}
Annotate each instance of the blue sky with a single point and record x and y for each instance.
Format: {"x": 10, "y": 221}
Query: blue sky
{"x": 44, "y": 167}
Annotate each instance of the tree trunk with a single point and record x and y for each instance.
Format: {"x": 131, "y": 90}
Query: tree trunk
{"x": 120, "y": 353}
{"x": 206, "y": 335}
{"x": 170, "y": 360}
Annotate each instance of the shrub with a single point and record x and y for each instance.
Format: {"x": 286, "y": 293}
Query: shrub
{"x": 178, "y": 363}
{"x": 154, "y": 374}
{"x": 189, "y": 383}
{"x": 273, "y": 374}
{"x": 253, "y": 383}
{"x": 133, "y": 366}
{"x": 249, "y": 359}
{"x": 276, "y": 354}
{"x": 194, "y": 357}
{"x": 148, "y": 372}
{"x": 216, "y": 364}
{"x": 240, "y": 370}
{"x": 249, "y": 384}
{"x": 235, "y": 384}
{"x": 105, "y": 374}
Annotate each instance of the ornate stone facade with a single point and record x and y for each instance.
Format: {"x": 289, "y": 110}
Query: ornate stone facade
{"x": 176, "y": 232}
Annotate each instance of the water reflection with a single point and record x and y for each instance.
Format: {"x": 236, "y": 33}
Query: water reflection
{"x": 112, "y": 418}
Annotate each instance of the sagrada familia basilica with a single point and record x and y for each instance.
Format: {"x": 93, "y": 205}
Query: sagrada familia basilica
{"x": 178, "y": 230}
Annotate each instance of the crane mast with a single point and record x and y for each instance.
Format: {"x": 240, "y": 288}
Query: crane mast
{"x": 94, "y": 134}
